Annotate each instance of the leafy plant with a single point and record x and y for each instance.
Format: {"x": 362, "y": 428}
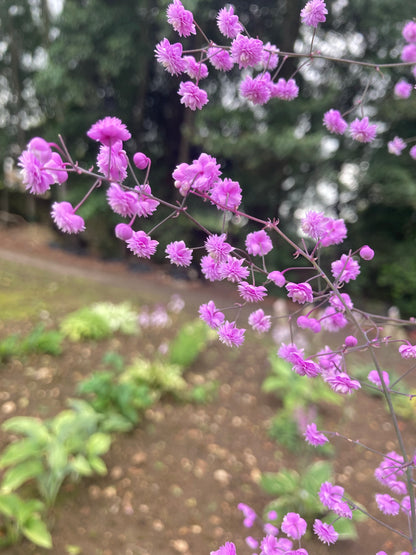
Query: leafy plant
{"x": 43, "y": 341}
{"x": 100, "y": 321}
{"x": 22, "y": 517}
{"x": 296, "y": 393}
{"x": 297, "y": 492}
{"x": 120, "y": 317}
{"x": 9, "y": 347}
{"x": 70, "y": 444}
{"x": 120, "y": 402}
{"x": 191, "y": 339}
{"x": 85, "y": 324}
{"x": 161, "y": 377}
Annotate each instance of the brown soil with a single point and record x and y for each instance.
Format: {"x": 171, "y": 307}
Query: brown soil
{"x": 174, "y": 482}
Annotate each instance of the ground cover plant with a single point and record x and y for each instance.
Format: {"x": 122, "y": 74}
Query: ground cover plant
{"x": 317, "y": 280}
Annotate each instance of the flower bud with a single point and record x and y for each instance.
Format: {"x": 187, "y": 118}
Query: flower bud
{"x": 141, "y": 161}
{"x": 123, "y": 232}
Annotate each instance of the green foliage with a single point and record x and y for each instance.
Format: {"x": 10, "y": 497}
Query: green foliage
{"x": 22, "y": 517}
{"x": 203, "y": 393}
{"x": 297, "y": 491}
{"x": 296, "y": 393}
{"x": 9, "y": 347}
{"x": 120, "y": 317}
{"x": 70, "y": 444}
{"x": 191, "y": 339}
{"x": 160, "y": 376}
{"x": 43, "y": 341}
{"x": 120, "y": 403}
{"x": 99, "y": 321}
{"x": 85, "y": 324}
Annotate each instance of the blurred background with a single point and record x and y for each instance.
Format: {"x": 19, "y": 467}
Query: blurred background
{"x": 64, "y": 64}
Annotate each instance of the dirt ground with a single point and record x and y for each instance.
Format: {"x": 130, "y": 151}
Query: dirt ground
{"x": 174, "y": 482}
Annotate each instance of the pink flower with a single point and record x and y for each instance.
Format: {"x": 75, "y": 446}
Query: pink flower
{"x": 65, "y": 218}
{"x": 218, "y": 248}
{"x": 300, "y": 292}
{"x": 112, "y": 161}
{"x": 345, "y": 269}
{"x": 409, "y": 31}
{"x": 396, "y": 146}
{"x": 336, "y": 302}
{"x": 256, "y": 90}
{"x": 305, "y": 367}
{"x": 374, "y": 378}
{"x": 211, "y": 269}
{"x": 204, "y": 173}
{"x": 56, "y": 168}
{"x": 309, "y": 323}
{"x": 227, "y": 549}
{"x": 251, "y": 542}
{"x": 249, "y": 514}
{"x": 402, "y": 89}
{"x": 285, "y": 90}
{"x": 333, "y": 320}
{"x": 269, "y": 545}
{"x": 40, "y": 148}
{"x": 251, "y": 293}
{"x": 140, "y": 160}
{"x": 228, "y": 23}
{"x": 277, "y": 278}
{"x": 413, "y": 152}
{"x": 335, "y": 232}
{"x": 334, "y": 122}
{"x": 409, "y": 53}
{"x": 270, "y": 57}
{"x": 366, "y": 253}
{"x": 141, "y": 244}
{"x": 220, "y": 58}
{"x": 181, "y": 20}
{"x": 170, "y": 56}
{"x": 122, "y": 202}
{"x": 178, "y": 253}
{"x": 245, "y": 51}
{"x": 387, "y": 504}
{"x": 258, "y": 243}
{"x": 229, "y": 334}
{"x": 123, "y": 232}
{"x": 313, "y": 13}
{"x": 350, "y": 341}
{"x": 342, "y": 383}
{"x": 313, "y": 436}
{"x": 195, "y": 70}
{"x": 233, "y": 269}
{"x": 362, "y": 130}
{"x": 35, "y": 179}
{"x": 293, "y": 526}
{"x": 226, "y": 194}
{"x": 259, "y": 321}
{"x": 314, "y": 224}
{"x": 211, "y": 315}
{"x": 108, "y": 130}
{"x": 325, "y": 532}
{"x": 192, "y": 96}
{"x": 330, "y": 495}
{"x": 145, "y": 204}
{"x": 407, "y": 351}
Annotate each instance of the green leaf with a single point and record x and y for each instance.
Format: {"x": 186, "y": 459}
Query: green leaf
{"x": 345, "y": 528}
{"x": 20, "y": 450}
{"x": 18, "y": 475}
{"x": 9, "y": 504}
{"x": 315, "y": 475}
{"x": 26, "y": 425}
{"x": 81, "y": 466}
{"x": 36, "y": 531}
{"x": 98, "y": 444}
{"x": 280, "y": 483}
{"x": 98, "y": 465}
{"x": 57, "y": 457}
